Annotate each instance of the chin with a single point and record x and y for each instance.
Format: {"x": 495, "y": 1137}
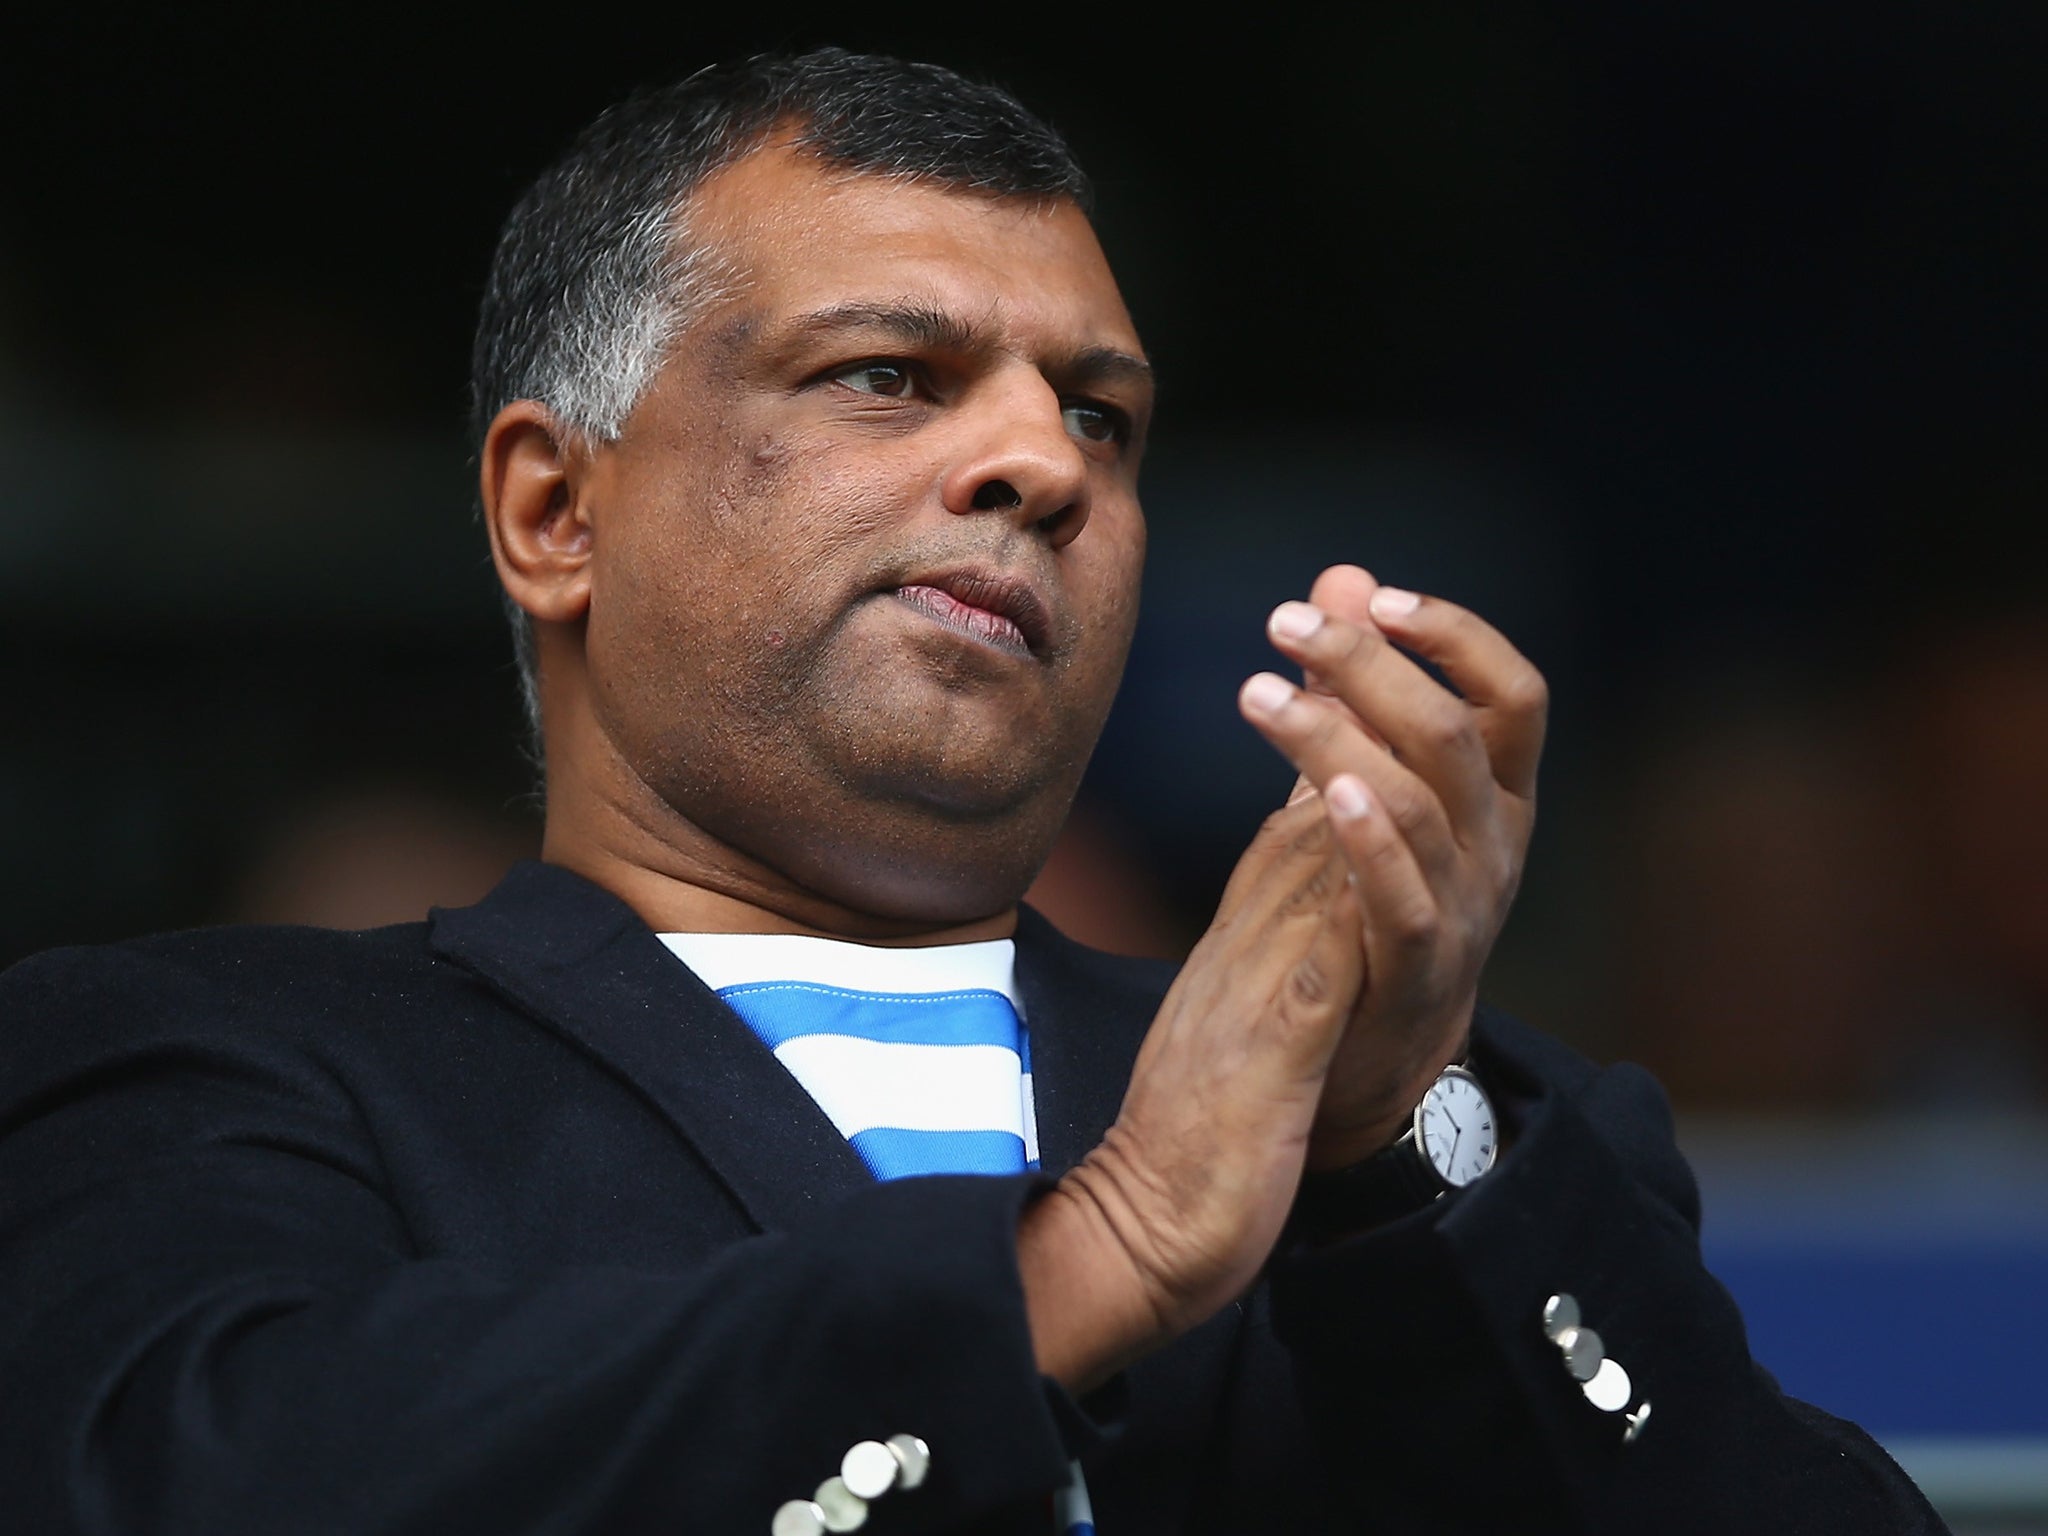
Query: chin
{"x": 929, "y": 863}
{"x": 924, "y": 902}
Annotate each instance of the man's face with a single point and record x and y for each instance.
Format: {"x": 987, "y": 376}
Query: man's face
{"x": 866, "y": 558}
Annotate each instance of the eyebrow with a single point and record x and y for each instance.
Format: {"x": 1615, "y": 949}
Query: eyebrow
{"x": 920, "y": 325}
{"x": 1109, "y": 365}
{"x": 924, "y": 325}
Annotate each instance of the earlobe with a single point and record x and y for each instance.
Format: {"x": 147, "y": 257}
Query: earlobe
{"x": 540, "y": 530}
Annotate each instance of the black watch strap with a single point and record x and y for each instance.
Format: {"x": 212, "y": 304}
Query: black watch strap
{"x": 1395, "y": 1181}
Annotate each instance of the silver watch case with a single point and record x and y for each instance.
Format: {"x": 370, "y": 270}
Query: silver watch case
{"x": 1414, "y": 1137}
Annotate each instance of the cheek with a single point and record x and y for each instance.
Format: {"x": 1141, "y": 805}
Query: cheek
{"x": 1107, "y": 581}
{"x": 798, "y": 486}
{"x": 800, "y": 520}
{"x": 745, "y": 570}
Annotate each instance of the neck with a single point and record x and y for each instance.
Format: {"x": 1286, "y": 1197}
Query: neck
{"x": 617, "y": 833}
{"x": 672, "y": 902}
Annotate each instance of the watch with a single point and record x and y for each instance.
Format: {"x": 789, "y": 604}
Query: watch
{"x": 1452, "y": 1140}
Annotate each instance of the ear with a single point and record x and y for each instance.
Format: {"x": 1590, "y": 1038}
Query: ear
{"x": 540, "y": 530}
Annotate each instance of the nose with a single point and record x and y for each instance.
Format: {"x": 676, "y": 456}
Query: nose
{"x": 1020, "y": 460}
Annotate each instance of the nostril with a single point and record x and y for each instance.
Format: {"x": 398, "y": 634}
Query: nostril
{"x": 997, "y": 496}
{"x": 1062, "y": 525}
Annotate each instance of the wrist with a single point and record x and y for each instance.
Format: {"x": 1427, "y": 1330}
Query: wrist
{"x": 1088, "y": 1306}
{"x": 1340, "y": 1139}
{"x": 1335, "y": 1148}
{"x": 1453, "y": 1138}
{"x": 1350, "y": 1128}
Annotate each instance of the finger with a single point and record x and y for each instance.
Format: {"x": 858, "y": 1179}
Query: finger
{"x": 1433, "y": 731}
{"x": 1318, "y": 736}
{"x": 1506, "y": 692}
{"x": 1344, "y": 592}
{"x": 1397, "y": 904}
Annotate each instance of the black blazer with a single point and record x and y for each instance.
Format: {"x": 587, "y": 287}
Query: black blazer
{"x": 503, "y": 1223}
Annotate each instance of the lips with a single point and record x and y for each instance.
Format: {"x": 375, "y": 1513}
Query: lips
{"x": 998, "y": 610}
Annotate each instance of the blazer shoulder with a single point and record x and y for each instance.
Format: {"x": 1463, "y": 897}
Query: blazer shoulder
{"x": 269, "y": 975}
{"x": 231, "y": 954}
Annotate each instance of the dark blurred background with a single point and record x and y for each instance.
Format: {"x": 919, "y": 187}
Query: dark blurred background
{"x": 1699, "y": 346}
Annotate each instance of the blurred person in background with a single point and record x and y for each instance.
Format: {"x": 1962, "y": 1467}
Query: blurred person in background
{"x": 1842, "y": 859}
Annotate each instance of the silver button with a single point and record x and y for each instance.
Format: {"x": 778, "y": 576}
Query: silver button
{"x": 913, "y": 1456}
{"x": 844, "y": 1510}
{"x": 799, "y": 1517}
{"x": 1608, "y": 1389}
{"x": 870, "y": 1469}
{"x": 1559, "y": 1313}
{"x": 1636, "y": 1421}
{"x": 1582, "y": 1352}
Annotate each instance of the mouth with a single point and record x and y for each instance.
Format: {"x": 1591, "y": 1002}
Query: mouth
{"x": 1000, "y": 611}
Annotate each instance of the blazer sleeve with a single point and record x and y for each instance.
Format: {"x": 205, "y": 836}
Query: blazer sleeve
{"x": 212, "y": 1319}
{"x": 1420, "y": 1354}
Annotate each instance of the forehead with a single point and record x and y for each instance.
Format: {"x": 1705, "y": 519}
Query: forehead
{"x": 797, "y": 236}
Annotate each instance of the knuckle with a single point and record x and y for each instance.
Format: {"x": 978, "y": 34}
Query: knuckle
{"x": 1307, "y": 834}
{"x": 1292, "y": 833}
{"x": 1449, "y": 726}
{"x": 1281, "y": 827}
{"x": 1525, "y": 691}
{"x": 1308, "y": 985}
{"x": 1382, "y": 850}
{"x": 1312, "y": 893}
{"x": 1310, "y": 836}
{"x": 1323, "y": 726}
{"x": 1352, "y": 642}
{"x": 1407, "y": 803}
{"x": 1497, "y": 869}
{"x": 1413, "y": 923}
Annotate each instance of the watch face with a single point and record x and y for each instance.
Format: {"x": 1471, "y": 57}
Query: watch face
{"x": 1455, "y": 1127}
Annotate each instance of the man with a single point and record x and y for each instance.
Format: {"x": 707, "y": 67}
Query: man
{"x": 810, "y": 426}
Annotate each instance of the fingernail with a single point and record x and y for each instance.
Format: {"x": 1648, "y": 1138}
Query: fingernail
{"x": 1295, "y": 621}
{"x": 1394, "y": 603}
{"x": 1266, "y": 693}
{"x": 1346, "y": 798}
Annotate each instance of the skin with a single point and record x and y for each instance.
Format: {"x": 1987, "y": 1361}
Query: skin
{"x": 758, "y": 719}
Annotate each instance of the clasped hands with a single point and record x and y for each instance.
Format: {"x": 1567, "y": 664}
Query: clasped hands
{"x": 1339, "y": 976}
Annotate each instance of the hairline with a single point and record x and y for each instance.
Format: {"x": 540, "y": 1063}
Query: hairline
{"x": 687, "y": 256}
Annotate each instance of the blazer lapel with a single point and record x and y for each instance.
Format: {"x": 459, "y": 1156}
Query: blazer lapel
{"x": 1087, "y": 1013}
{"x": 582, "y": 963}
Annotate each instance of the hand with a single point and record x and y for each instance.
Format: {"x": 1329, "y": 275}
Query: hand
{"x": 1171, "y": 1217}
{"x": 1432, "y": 797}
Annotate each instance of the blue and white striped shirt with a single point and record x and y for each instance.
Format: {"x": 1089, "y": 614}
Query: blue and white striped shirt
{"x": 920, "y": 1057}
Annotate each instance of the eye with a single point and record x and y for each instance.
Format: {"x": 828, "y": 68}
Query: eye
{"x": 890, "y": 380}
{"x": 1095, "y": 422}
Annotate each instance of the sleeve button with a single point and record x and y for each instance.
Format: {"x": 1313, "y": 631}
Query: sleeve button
{"x": 843, "y": 1509}
{"x": 1559, "y": 1313}
{"x": 1608, "y": 1388}
{"x": 913, "y": 1456}
{"x": 1582, "y": 1351}
{"x": 799, "y": 1517}
{"x": 870, "y": 1469}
